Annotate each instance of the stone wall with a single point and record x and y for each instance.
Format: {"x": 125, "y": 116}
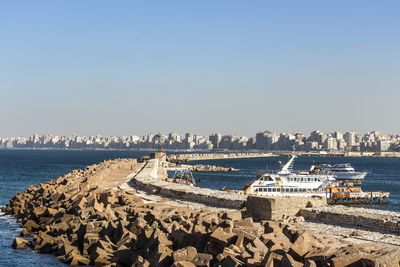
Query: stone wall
{"x": 274, "y": 208}
{"x": 369, "y": 218}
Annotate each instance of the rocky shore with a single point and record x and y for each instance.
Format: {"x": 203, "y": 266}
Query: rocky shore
{"x": 209, "y": 168}
{"x": 97, "y": 217}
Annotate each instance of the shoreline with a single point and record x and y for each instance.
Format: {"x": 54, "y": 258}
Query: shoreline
{"x": 194, "y": 151}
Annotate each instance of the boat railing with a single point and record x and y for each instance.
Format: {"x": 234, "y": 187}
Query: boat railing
{"x": 274, "y": 171}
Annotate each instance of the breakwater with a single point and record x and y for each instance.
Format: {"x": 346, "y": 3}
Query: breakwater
{"x": 200, "y": 168}
{"x": 93, "y": 216}
{"x": 148, "y": 180}
{"x": 212, "y": 156}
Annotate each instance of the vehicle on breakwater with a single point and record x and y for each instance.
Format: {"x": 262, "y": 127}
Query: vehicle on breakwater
{"x": 340, "y": 184}
{"x": 184, "y": 176}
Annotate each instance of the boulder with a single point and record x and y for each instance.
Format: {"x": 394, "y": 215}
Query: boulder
{"x": 73, "y": 258}
{"x": 247, "y": 222}
{"x": 185, "y": 254}
{"x": 248, "y": 233}
{"x": 24, "y": 232}
{"x": 65, "y": 247}
{"x": 220, "y": 239}
{"x": 88, "y": 240}
{"x": 183, "y": 264}
{"x": 46, "y": 243}
{"x": 272, "y": 227}
{"x": 304, "y": 244}
{"x": 232, "y": 215}
{"x": 140, "y": 262}
{"x": 202, "y": 259}
{"x": 20, "y": 243}
{"x": 100, "y": 257}
{"x": 231, "y": 262}
{"x": 31, "y": 226}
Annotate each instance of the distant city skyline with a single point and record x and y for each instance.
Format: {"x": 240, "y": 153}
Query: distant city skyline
{"x": 317, "y": 141}
{"x": 209, "y": 133}
{"x": 123, "y": 67}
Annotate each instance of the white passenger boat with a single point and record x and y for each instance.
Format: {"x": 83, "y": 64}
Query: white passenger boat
{"x": 343, "y": 171}
{"x": 287, "y": 182}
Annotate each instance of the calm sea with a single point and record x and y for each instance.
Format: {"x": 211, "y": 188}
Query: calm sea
{"x": 20, "y": 168}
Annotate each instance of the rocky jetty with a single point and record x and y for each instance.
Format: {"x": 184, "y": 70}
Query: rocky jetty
{"x": 85, "y": 218}
{"x": 212, "y": 156}
{"x": 200, "y": 168}
{"x": 211, "y": 168}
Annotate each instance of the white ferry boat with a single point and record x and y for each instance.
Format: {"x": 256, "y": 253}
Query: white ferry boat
{"x": 343, "y": 171}
{"x": 287, "y": 182}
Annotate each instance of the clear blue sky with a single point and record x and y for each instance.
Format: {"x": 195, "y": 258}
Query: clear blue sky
{"x": 127, "y": 67}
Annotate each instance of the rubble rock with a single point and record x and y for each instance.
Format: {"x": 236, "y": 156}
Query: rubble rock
{"x": 20, "y": 243}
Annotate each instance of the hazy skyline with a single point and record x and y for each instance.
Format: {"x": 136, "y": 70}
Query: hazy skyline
{"x": 125, "y": 67}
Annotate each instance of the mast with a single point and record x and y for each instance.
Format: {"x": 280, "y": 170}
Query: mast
{"x": 285, "y": 169}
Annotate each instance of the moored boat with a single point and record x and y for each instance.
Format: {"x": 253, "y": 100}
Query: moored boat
{"x": 340, "y": 183}
{"x": 288, "y": 182}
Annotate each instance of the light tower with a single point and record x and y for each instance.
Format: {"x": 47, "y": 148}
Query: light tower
{"x": 159, "y": 141}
